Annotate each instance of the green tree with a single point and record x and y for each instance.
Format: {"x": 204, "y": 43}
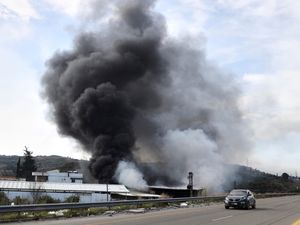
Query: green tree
{"x": 72, "y": 198}
{"x": 45, "y": 199}
{"x": 3, "y": 199}
{"x": 28, "y": 165}
{"x": 20, "y": 201}
{"x": 285, "y": 177}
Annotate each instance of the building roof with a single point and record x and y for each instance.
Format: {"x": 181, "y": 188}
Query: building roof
{"x": 6, "y": 185}
{"x": 139, "y": 194}
{"x": 173, "y": 188}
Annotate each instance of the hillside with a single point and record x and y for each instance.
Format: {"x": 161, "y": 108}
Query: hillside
{"x": 261, "y": 182}
{"x": 44, "y": 163}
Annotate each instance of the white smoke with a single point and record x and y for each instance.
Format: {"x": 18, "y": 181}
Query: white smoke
{"x": 194, "y": 152}
{"x": 201, "y": 126}
{"x": 129, "y": 175}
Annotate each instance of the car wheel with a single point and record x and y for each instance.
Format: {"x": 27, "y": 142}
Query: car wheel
{"x": 254, "y": 206}
{"x": 247, "y": 206}
{"x": 226, "y": 207}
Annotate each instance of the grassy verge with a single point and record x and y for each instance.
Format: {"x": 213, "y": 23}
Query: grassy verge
{"x": 14, "y": 217}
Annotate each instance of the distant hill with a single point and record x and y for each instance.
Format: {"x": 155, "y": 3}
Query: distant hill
{"x": 261, "y": 182}
{"x": 46, "y": 163}
{"x": 8, "y": 162}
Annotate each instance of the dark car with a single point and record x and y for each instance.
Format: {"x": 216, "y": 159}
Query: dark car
{"x": 240, "y": 198}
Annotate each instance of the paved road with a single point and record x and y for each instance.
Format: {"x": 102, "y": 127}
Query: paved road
{"x": 281, "y": 210}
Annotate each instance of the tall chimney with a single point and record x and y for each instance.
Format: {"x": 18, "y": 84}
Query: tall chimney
{"x": 190, "y": 185}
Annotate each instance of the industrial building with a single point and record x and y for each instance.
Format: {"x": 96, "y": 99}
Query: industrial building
{"x": 61, "y": 185}
{"x": 58, "y": 177}
{"x": 61, "y": 191}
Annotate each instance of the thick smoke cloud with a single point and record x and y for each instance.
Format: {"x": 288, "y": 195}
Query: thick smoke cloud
{"x": 128, "y": 93}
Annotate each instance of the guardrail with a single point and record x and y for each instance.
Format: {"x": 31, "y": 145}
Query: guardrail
{"x": 60, "y": 206}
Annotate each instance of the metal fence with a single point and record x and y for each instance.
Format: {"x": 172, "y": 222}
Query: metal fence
{"x": 60, "y": 206}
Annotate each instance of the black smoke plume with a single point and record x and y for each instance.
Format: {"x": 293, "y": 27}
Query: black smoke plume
{"x": 96, "y": 89}
{"x": 128, "y": 93}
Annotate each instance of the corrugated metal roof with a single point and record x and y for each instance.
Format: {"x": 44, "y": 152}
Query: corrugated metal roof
{"x": 140, "y": 194}
{"x": 60, "y": 187}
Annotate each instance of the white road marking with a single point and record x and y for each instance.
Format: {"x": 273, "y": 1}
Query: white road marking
{"x": 221, "y": 218}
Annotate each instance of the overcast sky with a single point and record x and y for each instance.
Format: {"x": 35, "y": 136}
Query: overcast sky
{"x": 258, "y": 42}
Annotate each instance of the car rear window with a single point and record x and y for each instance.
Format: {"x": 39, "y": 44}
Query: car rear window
{"x": 238, "y": 193}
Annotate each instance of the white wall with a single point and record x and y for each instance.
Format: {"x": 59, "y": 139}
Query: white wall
{"x": 84, "y": 197}
{"x": 65, "y": 177}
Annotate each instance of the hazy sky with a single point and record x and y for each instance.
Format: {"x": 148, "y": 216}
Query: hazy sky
{"x": 258, "y": 42}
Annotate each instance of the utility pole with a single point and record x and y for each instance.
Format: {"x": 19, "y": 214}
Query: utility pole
{"x": 107, "y": 191}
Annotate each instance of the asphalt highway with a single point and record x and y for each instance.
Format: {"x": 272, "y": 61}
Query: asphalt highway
{"x": 277, "y": 211}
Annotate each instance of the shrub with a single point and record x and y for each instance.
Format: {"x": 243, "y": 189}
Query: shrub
{"x": 4, "y": 199}
{"x": 45, "y": 199}
{"x": 20, "y": 201}
{"x": 72, "y": 198}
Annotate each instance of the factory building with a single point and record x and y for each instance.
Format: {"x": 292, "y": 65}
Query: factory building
{"x": 61, "y": 185}
{"x": 61, "y": 191}
{"x": 175, "y": 192}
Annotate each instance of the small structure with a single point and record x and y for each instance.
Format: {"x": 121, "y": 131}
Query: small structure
{"x": 55, "y": 176}
{"x": 61, "y": 191}
{"x": 175, "y": 192}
